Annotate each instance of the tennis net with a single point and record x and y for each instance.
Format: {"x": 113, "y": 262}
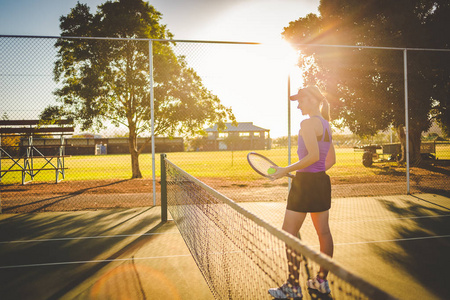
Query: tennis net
{"x": 240, "y": 255}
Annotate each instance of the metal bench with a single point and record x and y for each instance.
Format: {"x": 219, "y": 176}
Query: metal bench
{"x": 24, "y": 161}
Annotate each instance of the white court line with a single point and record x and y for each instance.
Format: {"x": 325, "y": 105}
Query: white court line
{"x": 86, "y": 237}
{"x": 395, "y": 240}
{"x": 189, "y": 255}
{"x": 149, "y": 234}
{"x": 335, "y": 221}
{"x": 387, "y": 219}
{"x": 89, "y": 261}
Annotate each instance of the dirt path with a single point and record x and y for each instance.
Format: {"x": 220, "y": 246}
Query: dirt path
{"x": 102, "y": 194}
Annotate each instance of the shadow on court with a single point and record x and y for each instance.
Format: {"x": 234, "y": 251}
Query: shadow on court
{"x": 107, "y": 254}
{"x": 425, "y": 259}
{"x": 81, "y": 255}
{"x": 47, "y": 203}
{"x": 128, "y": 249}
{"x": 398, "y": 243}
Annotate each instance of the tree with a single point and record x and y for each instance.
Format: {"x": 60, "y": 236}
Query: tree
{"x": 108, "y": 80}
{"x": 366, "y": 86}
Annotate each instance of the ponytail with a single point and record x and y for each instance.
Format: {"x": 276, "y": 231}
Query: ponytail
{"x": 325, "y": 110}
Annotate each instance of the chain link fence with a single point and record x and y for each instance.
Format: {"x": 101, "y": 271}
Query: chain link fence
{"x": 188, "y": 78}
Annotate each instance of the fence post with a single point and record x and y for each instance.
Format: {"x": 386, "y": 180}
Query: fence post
{"x": 289, "y": 124}
{"x": 163, "y": 189}
{"x": 405, "y": 74}
{"x": 152, "y": 116}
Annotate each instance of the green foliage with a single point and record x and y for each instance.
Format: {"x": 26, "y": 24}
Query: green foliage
{"x": 109, "y": 80}
{"x": 365, "y": 87}
{"x": 430, "y": 137}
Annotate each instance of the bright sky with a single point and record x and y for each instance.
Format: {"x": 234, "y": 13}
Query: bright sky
{"x": 261, "y": 100}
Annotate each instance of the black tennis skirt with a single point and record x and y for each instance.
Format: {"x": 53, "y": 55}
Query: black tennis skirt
{"x": 310, "y": 192}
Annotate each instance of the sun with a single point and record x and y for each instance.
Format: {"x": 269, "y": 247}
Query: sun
{"x": 283, "y": 52}
{"x": 251, "y": 78}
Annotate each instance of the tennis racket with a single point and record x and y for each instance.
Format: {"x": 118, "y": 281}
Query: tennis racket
{"x": 262, "y": 165}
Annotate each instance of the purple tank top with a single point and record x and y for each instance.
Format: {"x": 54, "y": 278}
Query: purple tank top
{"x": 324, "y": 145}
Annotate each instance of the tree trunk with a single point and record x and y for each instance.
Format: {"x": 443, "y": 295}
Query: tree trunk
{"x": 132, "y": 143}
{"x": 414, "y": 145}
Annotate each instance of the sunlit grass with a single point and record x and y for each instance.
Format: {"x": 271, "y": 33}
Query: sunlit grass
{"x": 443, "y": 151}
{"x": 218, "y": 164}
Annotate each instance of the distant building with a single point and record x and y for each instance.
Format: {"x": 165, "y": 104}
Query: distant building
{"x": 244, "y": 136}
{"x": 93, "y": 145}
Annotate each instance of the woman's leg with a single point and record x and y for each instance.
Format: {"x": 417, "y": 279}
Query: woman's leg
{"x": 320, "y": 221}
{"x": 292, "y": 223}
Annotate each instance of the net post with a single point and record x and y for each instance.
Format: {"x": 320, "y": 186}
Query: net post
{"x": 163, "y": 188}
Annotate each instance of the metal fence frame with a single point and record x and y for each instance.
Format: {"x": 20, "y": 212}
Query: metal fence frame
{"x": 150, "y": 45}
{"x": 405, "y": 81}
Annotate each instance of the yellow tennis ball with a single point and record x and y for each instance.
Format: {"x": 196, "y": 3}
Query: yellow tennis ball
{"x": 271, "y": 171}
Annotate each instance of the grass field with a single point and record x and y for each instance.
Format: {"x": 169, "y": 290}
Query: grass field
{"x": 220, "y": 164}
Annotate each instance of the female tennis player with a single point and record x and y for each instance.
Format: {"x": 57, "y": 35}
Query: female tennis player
{"x": 311, "y": 187}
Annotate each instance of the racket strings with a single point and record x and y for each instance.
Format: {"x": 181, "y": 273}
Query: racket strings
{"x": 261, "y": 164}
